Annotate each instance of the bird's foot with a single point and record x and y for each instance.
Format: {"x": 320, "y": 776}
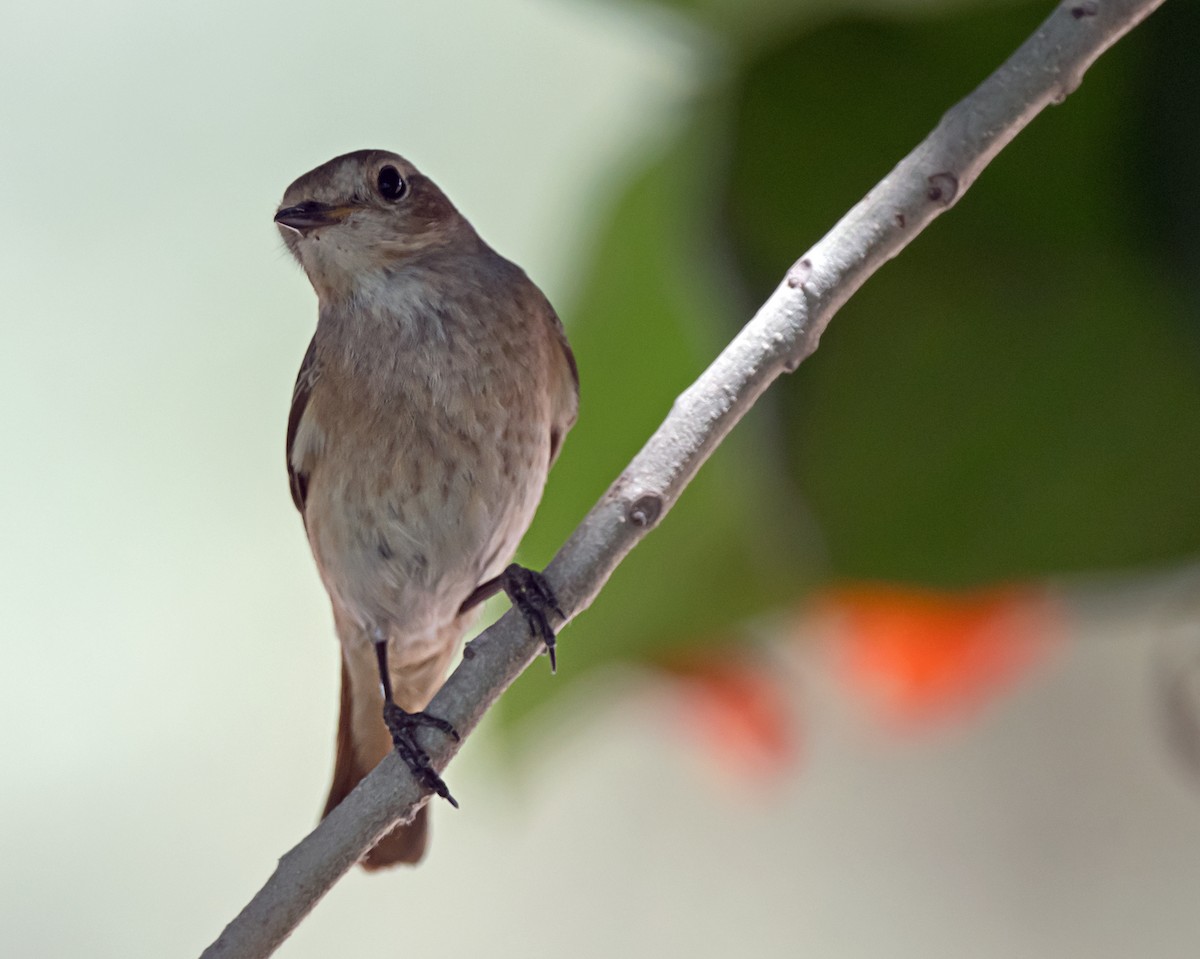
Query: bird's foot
{"x": 529, "y": 592}
{"x": 402, "y": 725}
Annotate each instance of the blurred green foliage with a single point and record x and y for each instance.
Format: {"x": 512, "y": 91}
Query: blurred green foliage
{"x": 1017, "y": 395}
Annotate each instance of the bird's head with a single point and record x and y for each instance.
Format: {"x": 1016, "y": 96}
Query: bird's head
{"x": 363, "y": 214}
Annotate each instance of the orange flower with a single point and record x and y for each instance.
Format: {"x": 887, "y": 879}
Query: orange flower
{"x": 739, "y": 711}
{"x": 919, "y": 656}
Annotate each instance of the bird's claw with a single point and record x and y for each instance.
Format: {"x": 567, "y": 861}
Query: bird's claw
{"x": 529, "y": 592}
{"x": 402, "y": 725}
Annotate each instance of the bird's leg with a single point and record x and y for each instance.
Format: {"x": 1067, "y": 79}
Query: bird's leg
{"x": 403, "y": 724}
{"x": 529, "y": 592}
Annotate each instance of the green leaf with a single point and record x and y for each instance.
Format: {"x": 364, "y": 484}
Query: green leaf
{"x": 1018, "y": 393}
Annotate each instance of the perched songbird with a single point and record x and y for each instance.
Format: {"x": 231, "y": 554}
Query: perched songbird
{"x": 429, "y": 407}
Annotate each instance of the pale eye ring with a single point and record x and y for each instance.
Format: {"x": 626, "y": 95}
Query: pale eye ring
{"x": 391, "y": 184}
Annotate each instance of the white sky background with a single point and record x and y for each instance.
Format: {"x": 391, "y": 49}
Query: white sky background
{"x": 170, "y": 671}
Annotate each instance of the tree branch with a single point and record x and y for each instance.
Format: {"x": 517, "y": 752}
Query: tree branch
{"x": 786, "y": 330}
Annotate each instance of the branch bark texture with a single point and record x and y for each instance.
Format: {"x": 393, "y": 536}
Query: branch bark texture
{"x": 785, "y": 330}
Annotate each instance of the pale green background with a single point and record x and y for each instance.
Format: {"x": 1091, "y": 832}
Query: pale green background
{"x": 170, "y": 693}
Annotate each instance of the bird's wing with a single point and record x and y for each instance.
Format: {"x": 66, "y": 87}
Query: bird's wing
{"x": 298, "y": 480}
{"x": 567, "y": 394}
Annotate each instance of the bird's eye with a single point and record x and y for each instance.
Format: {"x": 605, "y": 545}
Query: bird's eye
{"x": 391, "y": 183}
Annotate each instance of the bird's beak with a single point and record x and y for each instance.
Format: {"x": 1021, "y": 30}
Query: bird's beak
{"x": 310, "y": 215}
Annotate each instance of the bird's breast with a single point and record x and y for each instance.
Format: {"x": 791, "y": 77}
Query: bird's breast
{"x": 425, "y": 469}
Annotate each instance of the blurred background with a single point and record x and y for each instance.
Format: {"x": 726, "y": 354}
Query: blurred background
{"x": 912, "y": 669}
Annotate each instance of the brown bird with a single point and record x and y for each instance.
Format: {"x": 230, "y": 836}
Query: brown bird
{"x": 429, "y": 407}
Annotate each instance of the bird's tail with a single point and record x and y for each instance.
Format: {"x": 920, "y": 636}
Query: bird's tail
{"x": 362, "y": 743}
{"x": 363, "y": 740}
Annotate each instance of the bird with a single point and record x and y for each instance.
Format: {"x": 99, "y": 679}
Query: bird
{"x": 432, "y": 401}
